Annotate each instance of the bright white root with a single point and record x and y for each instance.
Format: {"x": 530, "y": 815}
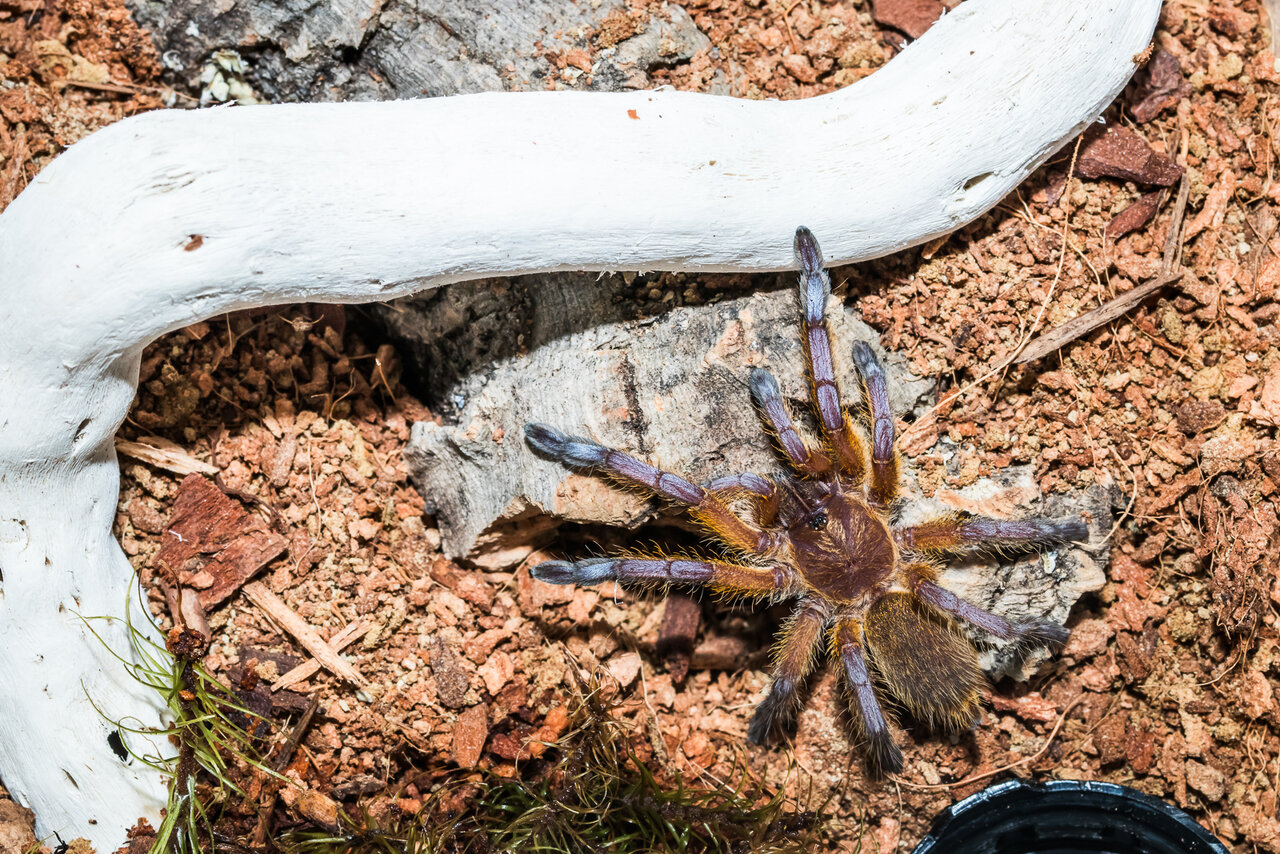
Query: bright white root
{"x": 359, "y": 202}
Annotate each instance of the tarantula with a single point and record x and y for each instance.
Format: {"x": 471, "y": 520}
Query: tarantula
{"x": 826, "y": 533}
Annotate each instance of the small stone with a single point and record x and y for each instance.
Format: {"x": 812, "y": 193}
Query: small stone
{"x": 469, "y": 734}
{"x": 625, "y": 668}
{"x": 798, "y": 66}
{"x": 496, "y": 672}
{"x": 1256, "y": 697}
{"x": 1227, "y": 452}
{"x": 318, "y": 807}
{"x": 1206, "y": 780}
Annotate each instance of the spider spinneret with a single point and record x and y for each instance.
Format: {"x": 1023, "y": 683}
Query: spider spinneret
{"x": 825, "y": 533}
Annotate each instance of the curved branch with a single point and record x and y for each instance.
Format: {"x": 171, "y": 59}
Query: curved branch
{"x": 171, "y": 217}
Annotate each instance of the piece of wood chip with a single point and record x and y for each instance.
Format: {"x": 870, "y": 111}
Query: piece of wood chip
{"x": 163, "y": 454}
{"x": 912, "y": 17}
{"x": 340, "y": 641}
{"x": 213, "y": 544}
{"x": 1157, "y": 87}
{"x": 1136, "y": 215}
{"x": 1117, "y": 152}
{"x": 303, "y": 633}
{"x": 469, "y": 734}
{"x": 680, "y": 619}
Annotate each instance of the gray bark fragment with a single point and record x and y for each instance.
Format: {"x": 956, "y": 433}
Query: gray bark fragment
{"x": 670, "y": 389}
{"x": 342, "y": 50}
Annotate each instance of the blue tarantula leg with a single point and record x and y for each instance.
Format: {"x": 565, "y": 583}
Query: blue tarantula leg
{"x": 958, "y": 532}
{"x": 793, "y": 661}
{"x": 584, "y": 453}
{"x": 707, "y": 508}
{"x": 752, "y": 483}
{"x": 721, "y": 576}
{"x": 815, "y": 287}
{"x": 875, "y": 391}
{"x": 761, "y": 490}
{"x": 885, "y": 755}
{"x": 1033, "y": 631}
{"x": 768, "y": 397}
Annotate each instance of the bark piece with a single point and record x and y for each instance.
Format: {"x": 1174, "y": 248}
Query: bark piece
{"x": 342, "y": 50}
{"x": 721, "y": 652}
{"x": 162, "y": 453}
{"x": 680, "y": 618}
{"x": 1157, "y": 87}
{"x": 912, "y": 17}
{"x": 249, "y": 679}
{"x": 469, "y": 734}
{"x": 1117, "y": 152}
{"x": 1135, "y": 216}
{"x": 213, "y": 545}
{"x": 670, "y": 389}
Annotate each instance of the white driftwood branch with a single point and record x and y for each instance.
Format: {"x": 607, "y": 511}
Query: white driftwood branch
{"x": 367, "y": 201}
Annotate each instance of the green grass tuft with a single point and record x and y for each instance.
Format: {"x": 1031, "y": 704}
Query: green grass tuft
{"x": 595, "y": 795}
{"x": 218, "y": 740}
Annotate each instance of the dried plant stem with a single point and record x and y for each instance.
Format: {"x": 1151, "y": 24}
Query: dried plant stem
{"x": 929, "y": 418}
{"x": 302, "y": 631}
{"x": 1053, "y": 733}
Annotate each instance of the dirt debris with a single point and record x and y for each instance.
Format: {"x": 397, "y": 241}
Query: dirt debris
{"x": 1171, "y": 670}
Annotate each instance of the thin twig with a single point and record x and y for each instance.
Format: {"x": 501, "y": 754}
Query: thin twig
{"x": 1171, "y": 271}
{"x": 302, "y": 631}
{"x": 1173, "y": 241}
{"x": 1060, "y": 336}
{"x": 1003, "y": 768}
{"x": 337, "y": 643}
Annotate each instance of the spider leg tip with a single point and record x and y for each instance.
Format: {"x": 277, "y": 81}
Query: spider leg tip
{"x": 761, "y": 383}
{"x": 1041, "y": 632}
{"x": 584, "y": 572}
{"x": 543, "y": 436}
{"x": 572, "y": 450}
{"x": 886, "y": 757}
{"x": 1073, "y": 530}
{"x": 865, "y": 358}
{"x": 807, "y": 251}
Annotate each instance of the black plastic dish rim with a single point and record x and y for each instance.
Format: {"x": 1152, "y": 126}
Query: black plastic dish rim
{"x": 971, "y": 817}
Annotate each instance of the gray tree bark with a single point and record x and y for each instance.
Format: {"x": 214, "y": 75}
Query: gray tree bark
{"x": 375, "y": 50}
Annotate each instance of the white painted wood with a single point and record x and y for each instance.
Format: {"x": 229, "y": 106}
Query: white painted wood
{"x": 359, "y": 202}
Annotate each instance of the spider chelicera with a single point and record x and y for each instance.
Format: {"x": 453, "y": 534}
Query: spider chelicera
{"x": 825, "y": 533}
